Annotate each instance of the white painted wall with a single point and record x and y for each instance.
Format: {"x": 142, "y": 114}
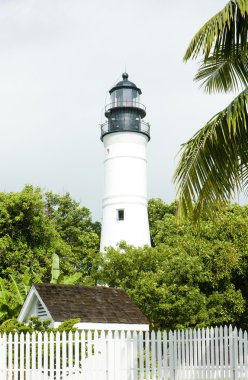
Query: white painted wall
{"x": 125, "y": 187}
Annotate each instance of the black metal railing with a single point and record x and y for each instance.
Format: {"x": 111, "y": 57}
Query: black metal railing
{"x": 140, "y": 127}
{"x": 125, "y": 103}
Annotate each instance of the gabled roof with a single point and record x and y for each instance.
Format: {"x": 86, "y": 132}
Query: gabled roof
{"x": 90, "y": 304}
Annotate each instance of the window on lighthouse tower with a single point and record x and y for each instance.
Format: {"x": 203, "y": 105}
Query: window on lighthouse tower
{"x": 120, "y": 214}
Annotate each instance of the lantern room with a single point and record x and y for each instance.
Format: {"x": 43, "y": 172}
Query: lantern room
{"x": 125, "y": 112}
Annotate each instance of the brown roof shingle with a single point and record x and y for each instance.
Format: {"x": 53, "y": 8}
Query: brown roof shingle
{"x": 90, "y": 304}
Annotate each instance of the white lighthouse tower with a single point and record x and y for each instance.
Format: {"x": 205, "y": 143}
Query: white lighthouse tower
{"x": 125, "y": 136}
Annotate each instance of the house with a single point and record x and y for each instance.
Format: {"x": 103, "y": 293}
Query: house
{"x": 97, "y": 307}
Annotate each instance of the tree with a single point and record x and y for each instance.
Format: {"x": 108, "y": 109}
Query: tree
{"x": 13, "y": 292}
{"x": 214, "y": 162}
{"x": 77, "y": 231}
{"x": 35, "y": 229}
{"x": 34, "y": 226}
{"x": 193, "y": 276}
{"x": 172, "y": 288}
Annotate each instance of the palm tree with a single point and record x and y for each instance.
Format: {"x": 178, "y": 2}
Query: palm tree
{"x": 214, "y": 163}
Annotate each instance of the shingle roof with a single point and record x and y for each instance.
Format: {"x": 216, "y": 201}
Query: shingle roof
{"x": 90, "y": 303}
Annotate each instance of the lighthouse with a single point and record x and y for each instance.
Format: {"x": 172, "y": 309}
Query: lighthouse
{"x": 125, "y": 136}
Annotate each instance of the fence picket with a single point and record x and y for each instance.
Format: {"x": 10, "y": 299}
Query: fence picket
{"x": 171, "y": 352}
{"x": 221, "y": 353}
{"x": 226, "y": 355}
{"x": 206, "y": 354}
{"x": 98, "y": 354}
{"x": 3, "y": 356}
{"x": 64, "y": 354}
{"x": 165, "y": 355}
{"x": 27, "y": 356}
{"x": 240, "y": 355}
{"x": 182, "y": 356}
{"x": 70, "y": 355}
{"x": 147, "y": 350}
{"x": 21, "y": 360}
{"x": 159, "y": 354}
{"x": 183, "y": 361}
{"x": 111, "y": 355}
{"x": 216, "y": 349}
{"x": 10, "y": 356}
{"x": 212, "y": 359}
{"x": 52, "y": 360}
{"x": 123, "y": 353}
{"x": 199, "y": 354}
{"x": 235, "y": 353}
{"x": 175, "y": 363}
{"x": 203, "y": 339}
{"x": 187, "y": 355}
{"x": 45, "y": 355}
{"x": 153, "y": 355}
{"x": 16, "y": 354}
{"x": 83, "y": 346}
{"x": 141, "y": 355}
{"x": 191, "y": 362}
{"x": 39, "y": 360}
{"x": 58, "y": 360}
{"x": 246, "y": 354}
{"x": 195, "y": 359}
{"x": 230, "y": 340}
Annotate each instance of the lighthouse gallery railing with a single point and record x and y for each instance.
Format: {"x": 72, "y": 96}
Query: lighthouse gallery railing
{"x": 141, "y": 127}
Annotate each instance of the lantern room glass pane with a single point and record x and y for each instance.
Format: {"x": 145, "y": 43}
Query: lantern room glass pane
{"x": 124, "y": 95}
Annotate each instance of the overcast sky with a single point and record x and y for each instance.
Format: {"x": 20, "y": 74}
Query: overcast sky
{"x": 59, "y": 58}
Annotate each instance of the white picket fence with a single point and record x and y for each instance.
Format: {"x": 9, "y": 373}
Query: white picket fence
{"x": 220, "y": 353}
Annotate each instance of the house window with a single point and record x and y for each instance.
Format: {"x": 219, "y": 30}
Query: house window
{"x": 120, "y": 214}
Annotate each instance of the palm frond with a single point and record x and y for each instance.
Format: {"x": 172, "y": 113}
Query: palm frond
{"x": 214, "y": 163}
{"x": 227, "y": 28}
{"x": 222, "y": 75}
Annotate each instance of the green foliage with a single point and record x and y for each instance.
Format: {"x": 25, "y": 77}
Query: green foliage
{"x": 55, "y": 268}
{"x": 75, "y": 228}
{"x": 57, "y": 278}
{"x": 14, "y": 291}
{"x": 37, "y": 232}
{"x": 68, "y": 325}
{"x": 192, "y": 276}
{"x": 36, "y": 325}
{"x": 213, "y": 163}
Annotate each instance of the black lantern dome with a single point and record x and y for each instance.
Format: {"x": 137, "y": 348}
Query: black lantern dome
{"x": 125, "y": 112}
{"x": 125, "y": 83}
